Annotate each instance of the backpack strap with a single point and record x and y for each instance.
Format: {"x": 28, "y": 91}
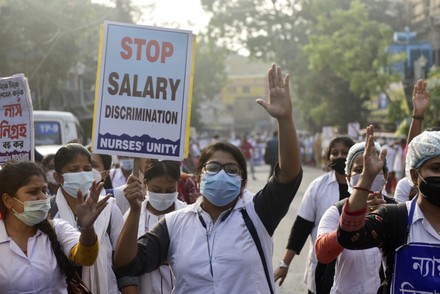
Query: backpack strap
{"x": 340, "y": 204}
{"x": 250, "y": 226}
{"x": 397, "y": 215}
{"x": 53, "y": 207}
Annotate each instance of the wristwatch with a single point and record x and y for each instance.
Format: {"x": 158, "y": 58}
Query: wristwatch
{"x": 282, "y": 264}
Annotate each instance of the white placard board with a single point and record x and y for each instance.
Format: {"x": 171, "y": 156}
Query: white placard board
{"x": 143, "y": 92}
{"x": 16, "y": 120}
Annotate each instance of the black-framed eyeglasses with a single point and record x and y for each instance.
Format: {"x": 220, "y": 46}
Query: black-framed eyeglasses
{"x": 214, "y": 167}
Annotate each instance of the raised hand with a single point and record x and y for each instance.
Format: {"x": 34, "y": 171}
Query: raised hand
{"x": 133, "y": 192}
{"x": 421, "y": 98}
{"x": 88, "y": 210}
{"x": 278, "y": 105}
{"x": 373, "y": 163}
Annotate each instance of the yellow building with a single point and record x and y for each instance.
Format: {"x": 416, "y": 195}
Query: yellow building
{"x": 246, "y": 82}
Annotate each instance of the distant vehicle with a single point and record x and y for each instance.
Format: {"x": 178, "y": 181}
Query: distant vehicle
{"x": 53, "y": 129}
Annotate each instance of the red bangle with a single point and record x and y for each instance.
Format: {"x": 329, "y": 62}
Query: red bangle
{"x": 363, "y": 189}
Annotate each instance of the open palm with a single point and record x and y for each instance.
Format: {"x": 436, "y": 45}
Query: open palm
{"x": 373, "y": 162}
{"x": 421, "y": 97}
{"x": 88, "y": 210}
{"x": 278, "y": 105}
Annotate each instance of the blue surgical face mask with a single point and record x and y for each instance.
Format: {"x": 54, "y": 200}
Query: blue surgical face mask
{"x": 220, "y": 189}
{"x": 78, "y": 181}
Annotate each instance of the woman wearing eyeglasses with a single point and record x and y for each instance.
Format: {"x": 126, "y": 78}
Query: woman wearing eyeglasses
{"x": 208, "y": 244}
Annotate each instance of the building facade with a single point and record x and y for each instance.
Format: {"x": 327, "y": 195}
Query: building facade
{"x": 424, "y": 18}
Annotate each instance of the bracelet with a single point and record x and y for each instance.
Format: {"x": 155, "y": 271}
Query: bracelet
{"x": 419, "y": 117}
{"x": 363, "y": 189}
{"x": 282, "y": 264}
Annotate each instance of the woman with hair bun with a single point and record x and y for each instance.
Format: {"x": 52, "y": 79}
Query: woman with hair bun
{"x": 322, "y": 193}
{"x": 161, "y": 182}
{"x": 407, "y": 233}
{"x": 221, "y": 243}
{"x": 73, "y": 171}
{"x": 36, "y": 253}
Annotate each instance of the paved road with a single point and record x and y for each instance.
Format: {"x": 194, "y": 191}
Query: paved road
{"x": 294, "y": 281}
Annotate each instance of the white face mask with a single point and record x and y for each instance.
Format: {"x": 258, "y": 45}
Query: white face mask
{"x": 377, "y": 185}
{"x": 161, "y": 201}
{"x": 77, "y": 181}
{"x": 34, "y": 211}
{"x": 353, "y": 182}
{"x": 126, "y": 164}
{"x": 97, "y": 176}
{"x": 49, "y": 177}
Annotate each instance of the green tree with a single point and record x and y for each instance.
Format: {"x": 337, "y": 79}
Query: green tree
{"x": 280, "y": 30}
{"x": 433, "y": 114}
{"x": 209, "y": 75}
{"x": 354, "y": 47}
{"x": 36, "y": 40}
{"x": 49, "y": 40}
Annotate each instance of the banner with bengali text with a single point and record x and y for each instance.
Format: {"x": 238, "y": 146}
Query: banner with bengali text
{"x": 417, "y": 269}
{"x": 16, "y": 123}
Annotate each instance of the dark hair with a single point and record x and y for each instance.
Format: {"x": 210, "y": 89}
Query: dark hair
{"x": 107, "y": 163}
{"x": 155, "y": 168}
{"x": 67, "y": 154}
{"x": 225, "y": 147}
{"x": 13, "y": 176}
{"x": 63, "y": 262}
{"x": 345, "y": 140}
{"x": 432, "y": 129}
{"x": 105, "y": 158}
{"x": 46, "y": 159}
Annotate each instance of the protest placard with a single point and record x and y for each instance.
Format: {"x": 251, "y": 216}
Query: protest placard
{"x": 417, "y": 269}
{"x": 16, "y": 124}
{"x": 143, "y": 94}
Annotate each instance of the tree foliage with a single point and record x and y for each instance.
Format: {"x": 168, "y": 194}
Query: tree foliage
{"x": 47, "y": 40}
{"x": 209, "y": 75}
{"x": 433, "y": 114}
{"x": 333, "y": 49}
{"x": 354, "y": 47}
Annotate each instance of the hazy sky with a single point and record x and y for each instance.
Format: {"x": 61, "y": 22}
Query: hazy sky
{"x": 188, "y": 14}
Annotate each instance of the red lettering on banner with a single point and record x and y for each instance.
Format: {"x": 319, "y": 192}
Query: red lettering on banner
{"x": 13, "y": 110}
{"x": 125, "y": 45}
{"x": 151, "y": 50}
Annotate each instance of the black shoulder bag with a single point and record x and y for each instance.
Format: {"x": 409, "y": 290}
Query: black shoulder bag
{"x": 250, "y": 226}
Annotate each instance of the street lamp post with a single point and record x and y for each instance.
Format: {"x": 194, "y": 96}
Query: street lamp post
{"x": 80, "y": 69}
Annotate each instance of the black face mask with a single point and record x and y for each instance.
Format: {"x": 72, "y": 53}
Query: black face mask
{"x": 338, "y": 165}
{"x": 430, "y": 189}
